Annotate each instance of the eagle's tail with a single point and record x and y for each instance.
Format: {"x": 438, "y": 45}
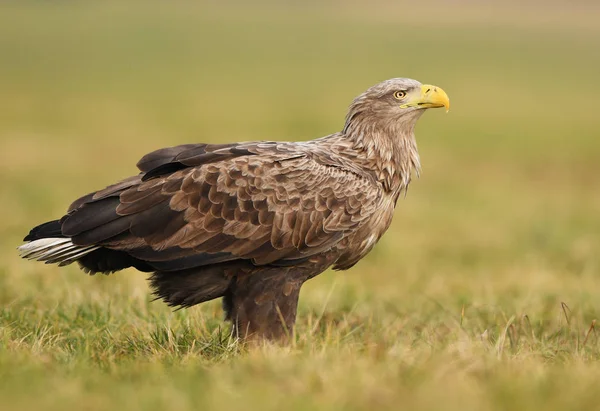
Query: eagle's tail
{"x": 48, "y": 244}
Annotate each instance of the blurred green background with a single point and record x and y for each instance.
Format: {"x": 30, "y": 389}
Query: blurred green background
{"x": 463, "y": 291}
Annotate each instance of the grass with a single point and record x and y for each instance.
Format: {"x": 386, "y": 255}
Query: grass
{"x": 483, "y": 293}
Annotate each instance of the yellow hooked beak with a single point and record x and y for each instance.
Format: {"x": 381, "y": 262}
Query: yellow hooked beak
{"x": 429, "y": 97}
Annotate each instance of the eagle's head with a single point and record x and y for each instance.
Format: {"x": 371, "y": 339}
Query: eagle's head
{"x": 398, "y": 100}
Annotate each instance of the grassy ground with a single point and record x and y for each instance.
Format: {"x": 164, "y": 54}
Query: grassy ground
{"x": 484, "y": 293}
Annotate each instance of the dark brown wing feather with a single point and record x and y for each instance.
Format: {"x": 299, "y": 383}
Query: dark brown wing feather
{"x": 168, "y": 160}
{"x": 260, "y": 202}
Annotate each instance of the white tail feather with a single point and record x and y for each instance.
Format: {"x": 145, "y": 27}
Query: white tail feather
{"x": 54, "y": 250}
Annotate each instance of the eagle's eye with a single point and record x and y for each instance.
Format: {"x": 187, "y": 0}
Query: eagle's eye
{"x": 399, "y": 95}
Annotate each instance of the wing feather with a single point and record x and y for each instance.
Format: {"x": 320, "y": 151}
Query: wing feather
{"x": 226, "y": 202}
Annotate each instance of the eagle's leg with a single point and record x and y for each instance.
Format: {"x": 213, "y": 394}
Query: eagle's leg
{"x": 262, "y": 305}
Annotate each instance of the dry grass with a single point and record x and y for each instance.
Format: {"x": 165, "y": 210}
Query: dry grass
{"x": 483, "y": 294}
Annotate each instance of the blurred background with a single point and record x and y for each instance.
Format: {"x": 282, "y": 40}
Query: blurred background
{"x": 504, "y": 219}
{"x": 510, "y": 175}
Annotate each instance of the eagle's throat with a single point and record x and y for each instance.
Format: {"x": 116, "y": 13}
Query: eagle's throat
{"x": 386, "y": 148}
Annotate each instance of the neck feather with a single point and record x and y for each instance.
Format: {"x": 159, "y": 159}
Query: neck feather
{"x": 388, "y": 147}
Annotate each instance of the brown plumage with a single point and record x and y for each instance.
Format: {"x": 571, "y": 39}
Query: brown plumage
{"x": 250, "y": 222}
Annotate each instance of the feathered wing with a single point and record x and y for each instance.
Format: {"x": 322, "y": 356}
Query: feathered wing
{"x": 197, "y": 205}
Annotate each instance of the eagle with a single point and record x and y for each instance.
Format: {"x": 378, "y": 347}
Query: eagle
{"x": 252, "y": 221}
